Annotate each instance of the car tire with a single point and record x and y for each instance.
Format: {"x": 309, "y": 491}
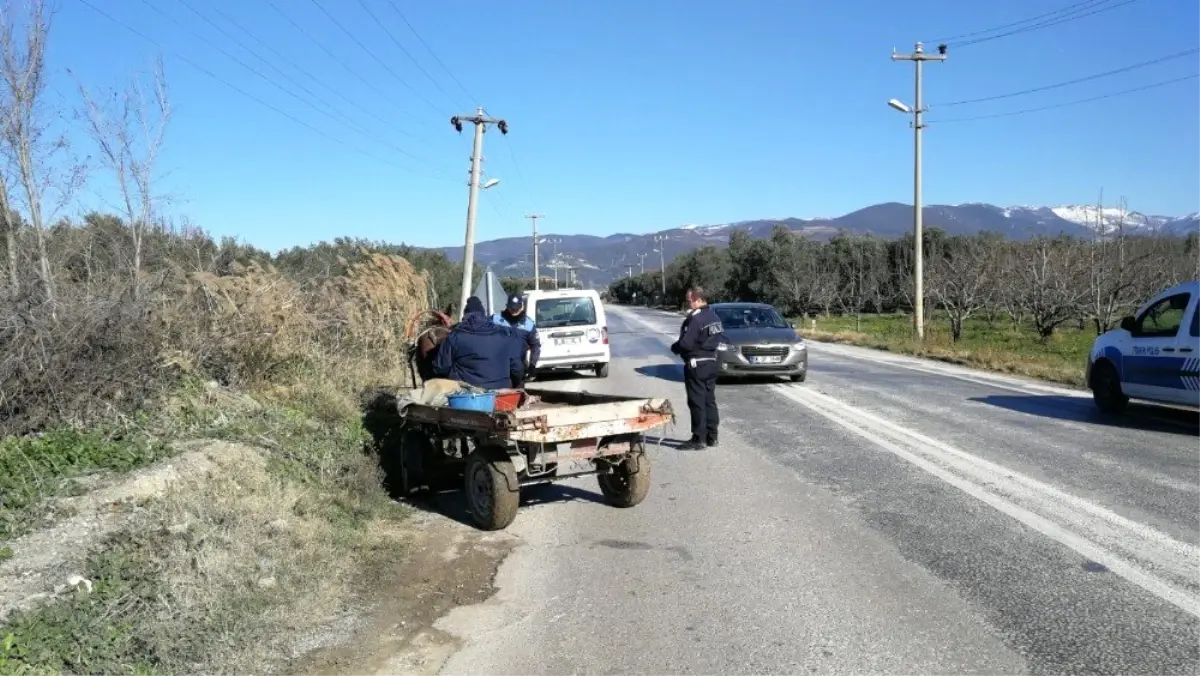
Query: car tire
{"x": 602, "y": 370}
{"x": 799, "y": 377}
{"x": 1106, "y": 389}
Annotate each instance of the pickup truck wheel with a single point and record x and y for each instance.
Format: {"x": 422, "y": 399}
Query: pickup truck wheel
{"x": 492, "y": 491}
{"x": 1106, "y": 389}
{"x": 629, "y": 482}
{"x": 602, "y": 370}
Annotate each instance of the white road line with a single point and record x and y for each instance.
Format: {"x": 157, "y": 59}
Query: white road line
{"x": 1165, "y": 567}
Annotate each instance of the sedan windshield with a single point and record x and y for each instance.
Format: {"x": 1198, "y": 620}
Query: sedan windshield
{"x": 751, "y": 318}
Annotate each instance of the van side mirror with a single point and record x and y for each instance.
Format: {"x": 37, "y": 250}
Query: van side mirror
{"x": 1128, "y": 324}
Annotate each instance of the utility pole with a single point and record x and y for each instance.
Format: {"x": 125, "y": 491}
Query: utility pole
{"x": 642, "y": 261}
{"x": 481, "y": 121}
{"x": 537, "y": 275}
{"x": 554, "y": 242}
{"x": 918, "y": 57}
{"x": 629, "y": 271}
{"x": 661, "y": 241}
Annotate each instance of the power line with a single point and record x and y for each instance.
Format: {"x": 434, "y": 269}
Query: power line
{"x": 364, "y": 109}
{"x": 1044, "y": 24}
{"x": 1125, "y": 69}
{"x": 241, "y": 91}
{"x": 239, "y": 43}
{"x": 372, "y": 54}
{"x": 279, "y": 86}
{"x": 397, "y": 42}
{"x": 333, "y": 56}
{"x": 429, "y": 49}
{"x": 1068, "y": 103}
{"x": 1076, "y": 7}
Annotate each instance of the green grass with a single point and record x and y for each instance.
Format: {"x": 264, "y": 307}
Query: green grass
{"x": 997, "y": 346}
{"x": 219, "y": 573}
{"x": 35, "y": 469}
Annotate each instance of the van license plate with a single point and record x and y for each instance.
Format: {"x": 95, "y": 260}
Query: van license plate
{"x": 567, "y": 341}
{"x": 765, "y": 360}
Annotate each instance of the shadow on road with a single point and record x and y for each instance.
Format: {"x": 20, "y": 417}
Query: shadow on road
{"x": 1138, "y": 416}
{"x": 671, "y": 372}
{"x": 674, "y": 373}
{"x": 451, "y": 503}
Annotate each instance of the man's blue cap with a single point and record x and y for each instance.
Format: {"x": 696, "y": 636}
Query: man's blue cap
{"x": 514, "y": 303}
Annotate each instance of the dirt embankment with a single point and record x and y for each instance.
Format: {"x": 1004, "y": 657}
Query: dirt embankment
{"x": 210, "y": 561}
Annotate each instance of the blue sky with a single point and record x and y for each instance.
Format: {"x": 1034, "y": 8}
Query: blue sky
{"x": 638, "y": 115}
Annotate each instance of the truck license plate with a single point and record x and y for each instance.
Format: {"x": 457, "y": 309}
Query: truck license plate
{"x": 765, "y": 360}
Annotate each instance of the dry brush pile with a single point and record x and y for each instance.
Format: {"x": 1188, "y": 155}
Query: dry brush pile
{"x": 100, "y": 352}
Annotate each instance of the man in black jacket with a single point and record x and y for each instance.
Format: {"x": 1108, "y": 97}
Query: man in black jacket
{"x": 699, "y": 338}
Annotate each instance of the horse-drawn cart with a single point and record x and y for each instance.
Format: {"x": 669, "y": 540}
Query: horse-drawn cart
{"x": 498, "y": 453}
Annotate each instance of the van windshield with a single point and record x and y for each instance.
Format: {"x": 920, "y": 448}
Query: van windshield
{"x": 552, "y": 312}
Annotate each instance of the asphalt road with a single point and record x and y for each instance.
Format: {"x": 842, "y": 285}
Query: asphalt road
{"x": 889, "y": 515}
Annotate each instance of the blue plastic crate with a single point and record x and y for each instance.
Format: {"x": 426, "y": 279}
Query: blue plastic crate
{"x": 473, "y": 401}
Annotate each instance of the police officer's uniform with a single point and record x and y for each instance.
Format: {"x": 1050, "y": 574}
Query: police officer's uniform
{"x": 699, "y": 338}
{"x": 525, "y": 330}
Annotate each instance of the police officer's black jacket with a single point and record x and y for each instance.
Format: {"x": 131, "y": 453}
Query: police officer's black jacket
{"x": 700, "y": 335}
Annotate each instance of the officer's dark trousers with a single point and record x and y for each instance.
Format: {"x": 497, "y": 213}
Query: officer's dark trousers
{"x": 701, "y": 386}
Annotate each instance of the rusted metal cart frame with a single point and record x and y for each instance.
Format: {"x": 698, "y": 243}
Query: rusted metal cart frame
{"x": 504, "y": 451}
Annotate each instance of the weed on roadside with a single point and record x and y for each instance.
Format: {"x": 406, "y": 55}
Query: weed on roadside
{"x": 35, "y": 469}
{"x": 998, "y": 346}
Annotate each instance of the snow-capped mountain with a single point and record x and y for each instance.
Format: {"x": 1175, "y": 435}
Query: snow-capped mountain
{"x": 600, "y": 259}
{"x": 1108, "y": 218}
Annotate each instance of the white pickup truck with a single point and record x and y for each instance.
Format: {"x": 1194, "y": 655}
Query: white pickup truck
{"x": 1153, "y": 356}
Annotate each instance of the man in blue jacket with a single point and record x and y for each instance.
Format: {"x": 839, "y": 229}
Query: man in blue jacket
{"x": 522, "y": 326}
{"x": 479, "y": 352}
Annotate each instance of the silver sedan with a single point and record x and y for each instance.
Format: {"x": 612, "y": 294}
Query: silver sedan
{"x": 761, "y": 343}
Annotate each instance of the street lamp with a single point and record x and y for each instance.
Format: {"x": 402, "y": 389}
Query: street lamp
{"x": 918, "y": 57}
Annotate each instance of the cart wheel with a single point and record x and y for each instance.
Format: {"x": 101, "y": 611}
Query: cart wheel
{"x": 414, "y": 452}
{"x": 629, "y": 482}
{"x": 490, "y": 484}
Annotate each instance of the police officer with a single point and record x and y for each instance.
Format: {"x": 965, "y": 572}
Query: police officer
{"x": 699, "y": 338}
{"x": 524, "y": 329}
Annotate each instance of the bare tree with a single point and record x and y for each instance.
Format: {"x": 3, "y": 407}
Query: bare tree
{"x": 962, "y": 279}
{"x": 1050, "y": 281}
{"x": 1117, "y": 266}
{"x": 11, "y": 223}
{"x": 862, "y": 264}
{"x": 28, "y": 136}
{"x": 129, "y": 134}
{"x": 793, "y": 270}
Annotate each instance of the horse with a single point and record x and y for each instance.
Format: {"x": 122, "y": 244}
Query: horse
{"x": 423, "y": 349}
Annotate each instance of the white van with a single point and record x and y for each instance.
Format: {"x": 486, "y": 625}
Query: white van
{"x": 1154, "y": 355}
{"x": 572, "y": 328}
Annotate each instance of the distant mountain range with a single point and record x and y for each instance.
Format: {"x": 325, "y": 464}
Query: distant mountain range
{"x": 600, "y": 259}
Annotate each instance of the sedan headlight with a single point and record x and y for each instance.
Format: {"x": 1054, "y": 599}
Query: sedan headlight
{"x": 800, "y": 345}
